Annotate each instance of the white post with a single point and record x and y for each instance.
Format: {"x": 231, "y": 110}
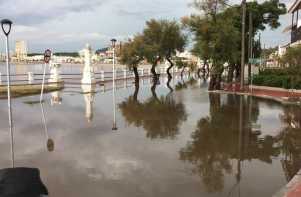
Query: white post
{"x": 102, "y": 75}
{"x": 54, "y": 73}
{"x": 124, "y": 74}
{"x": 124, "y": 77}
{"x": 0, "y": 78}
{"x": 30, "y": 78}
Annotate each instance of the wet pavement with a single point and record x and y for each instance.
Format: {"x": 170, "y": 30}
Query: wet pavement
{"x": 182, "y": 143}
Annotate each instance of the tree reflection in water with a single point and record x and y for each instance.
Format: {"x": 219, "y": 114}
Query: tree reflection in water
{"x": 161, "y": 117}
{"x": 184, "y": 85}
{"x": 218, "y": 140}
{"x": 290, "y": 140}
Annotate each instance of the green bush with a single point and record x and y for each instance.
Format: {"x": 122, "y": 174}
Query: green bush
{"x": 289, "y": 78}
{"x": 281, "y": 81}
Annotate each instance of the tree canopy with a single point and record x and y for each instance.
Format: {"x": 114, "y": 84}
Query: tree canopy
{"x": 217, "y": 32}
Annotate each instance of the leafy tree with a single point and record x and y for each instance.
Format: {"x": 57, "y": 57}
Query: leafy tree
{"x": 152, "y": 38}
{"x": 218, "y": 32}
{"x": 162, "y": 39}
{"x": 131, "y": 54}
{"x": 173, "y": 41}
{"x": 292, "y": 58}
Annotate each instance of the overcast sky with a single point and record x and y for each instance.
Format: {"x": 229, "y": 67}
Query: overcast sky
{"x": 66, "y": 25}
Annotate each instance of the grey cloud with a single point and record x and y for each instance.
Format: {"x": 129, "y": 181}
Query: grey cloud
{"x": 141, "y": 14}
{"x": 35, "y": 12}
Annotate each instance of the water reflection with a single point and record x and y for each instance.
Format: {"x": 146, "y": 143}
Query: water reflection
{"x": 56, "y": 98}
{"x": 160, "y": 117}
{"x": 220, "y": 138}
{"x": 185, "y": 84}
{"x": 290, "y": 141}
{"x": 22, "y": 181}
{"x": 49, "y": 141}
{"x": 89, "y": 95}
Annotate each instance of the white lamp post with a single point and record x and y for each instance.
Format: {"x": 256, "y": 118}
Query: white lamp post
{"x": 114, "y": 88}
{"x": 6, "y": 28}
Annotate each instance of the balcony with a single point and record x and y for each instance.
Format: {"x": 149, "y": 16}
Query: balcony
{"x": 295, "y": 34}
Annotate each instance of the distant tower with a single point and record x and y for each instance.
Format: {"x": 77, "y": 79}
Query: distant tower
{"x": 21, "y": 50}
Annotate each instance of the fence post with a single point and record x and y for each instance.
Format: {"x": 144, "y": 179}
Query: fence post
{"x": 124, "y": 74}
{"x": 102, "y": 75}
{"x": 30, "y": 78}
{"x": 142, "y": 72}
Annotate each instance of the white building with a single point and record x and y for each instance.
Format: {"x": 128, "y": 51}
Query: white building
{"x": 21, "y": 50}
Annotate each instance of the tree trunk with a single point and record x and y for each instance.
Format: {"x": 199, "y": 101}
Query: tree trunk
{"x": 153, "y": 69}
{"x": 215, "y": 82}
{"x": 136, "y": 73}
{"x": 230, "y": 74}
{"x": 199, "y": 73}
{"x": 169, "y": 68}
{"x": 237, "y": 75}
{"x": 153, "y": 89}
{"x": 212, "y": 82}
{"x": 168, "y": 84}
{"x": 249, "y": 72}
{"x": 135, "y": 96}
{"x": 182, "y": 72}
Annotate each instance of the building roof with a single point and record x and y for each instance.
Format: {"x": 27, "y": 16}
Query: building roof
{"x": 295, "y": 6}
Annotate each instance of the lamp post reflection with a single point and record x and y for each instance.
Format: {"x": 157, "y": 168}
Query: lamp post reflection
{"x": 114, "y": 88}
{"x": 50, "y": 142}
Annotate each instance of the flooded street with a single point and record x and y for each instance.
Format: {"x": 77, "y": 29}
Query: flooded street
{"x": 183, "y": 143}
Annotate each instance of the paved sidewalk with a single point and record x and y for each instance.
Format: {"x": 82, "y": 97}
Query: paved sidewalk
{"x": 278, "y": 94}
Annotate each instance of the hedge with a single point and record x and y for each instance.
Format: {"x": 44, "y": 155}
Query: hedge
{"x": 281, "y": 81}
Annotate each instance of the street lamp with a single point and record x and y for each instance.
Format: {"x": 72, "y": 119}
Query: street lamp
{"x": 47, "y": 57}
{"x": 114, "y": 128}
{"x": 243, "y": 29}
{"x": 6, "y": 28}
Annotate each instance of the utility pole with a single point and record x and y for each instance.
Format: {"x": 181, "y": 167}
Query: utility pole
{"x": 243, "y": 29}
{"x": 250, "y": 48}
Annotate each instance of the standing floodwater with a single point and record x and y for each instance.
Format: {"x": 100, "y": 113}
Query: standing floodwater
{"x": 182, "y": 143}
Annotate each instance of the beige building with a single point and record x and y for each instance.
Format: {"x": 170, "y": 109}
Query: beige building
{"x": 21, "y": 50}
